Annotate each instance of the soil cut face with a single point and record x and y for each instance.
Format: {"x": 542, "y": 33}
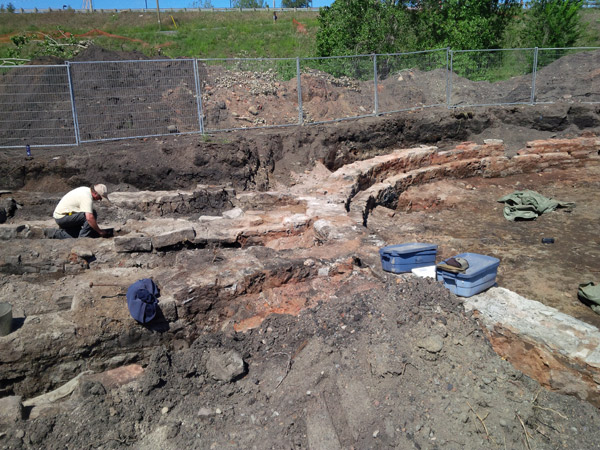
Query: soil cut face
{"x": 279, "y": 328}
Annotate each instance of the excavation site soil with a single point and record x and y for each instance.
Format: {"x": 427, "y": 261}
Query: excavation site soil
{"x": 277, "y": 326}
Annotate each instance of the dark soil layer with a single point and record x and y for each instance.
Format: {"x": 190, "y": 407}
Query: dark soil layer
{"x": 255, "y": 159}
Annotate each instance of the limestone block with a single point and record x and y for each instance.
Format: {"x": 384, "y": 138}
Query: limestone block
{"x": 233, "y": 213}
{"x": 82, "y": 251}
{"x": 209, "y": 218}
{"x": 556, "y": 349}
{"x": 173, "y": 238}
{"x": 296, "y": 221}
{"x": 133, "y": 243}
{"x": 213, "y": 234}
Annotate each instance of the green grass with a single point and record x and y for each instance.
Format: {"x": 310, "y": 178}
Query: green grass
{"x": 197, "y": 34}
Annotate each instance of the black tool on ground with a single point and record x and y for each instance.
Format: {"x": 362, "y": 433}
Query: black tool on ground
{"x": 547, "y": 240}
{"x": 110, "y": 232}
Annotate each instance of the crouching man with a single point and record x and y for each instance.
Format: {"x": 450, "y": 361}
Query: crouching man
{"x": 75, "y": 214}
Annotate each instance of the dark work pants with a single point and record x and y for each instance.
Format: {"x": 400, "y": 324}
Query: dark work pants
{"x": 75, "y": 226}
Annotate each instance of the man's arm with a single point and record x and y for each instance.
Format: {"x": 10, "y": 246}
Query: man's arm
{"x": 92, "y": 221}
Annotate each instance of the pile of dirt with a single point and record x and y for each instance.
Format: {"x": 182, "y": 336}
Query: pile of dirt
{"x": 394, "y": 365}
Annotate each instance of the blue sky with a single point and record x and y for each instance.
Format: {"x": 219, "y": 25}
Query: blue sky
{"x": 133, "y": 4}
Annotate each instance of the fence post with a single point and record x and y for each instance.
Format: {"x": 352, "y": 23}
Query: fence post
{"x": 300, "y": 114}
{"x": 533, "y": 74}
{"x": 73, "y": 108}
{"x": 198, "y": 97}
{"x": 448, "y": 76}
{"x": 376, "y": 99}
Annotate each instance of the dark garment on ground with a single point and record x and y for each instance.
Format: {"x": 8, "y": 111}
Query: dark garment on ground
{"x": 141, "y": 300}
{"x": 75, "y": 226}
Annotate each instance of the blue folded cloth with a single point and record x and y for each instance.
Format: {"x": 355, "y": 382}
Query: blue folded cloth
{"x": 142, "y": 300}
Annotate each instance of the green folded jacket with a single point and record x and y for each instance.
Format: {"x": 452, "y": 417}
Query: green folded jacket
{"x": 589, "y": 293}
{"x": 528, "y": 205}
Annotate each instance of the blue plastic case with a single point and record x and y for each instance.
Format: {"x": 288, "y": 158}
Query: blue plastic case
{"x": 402, "y": 258}
{"x": 480, "y": 275}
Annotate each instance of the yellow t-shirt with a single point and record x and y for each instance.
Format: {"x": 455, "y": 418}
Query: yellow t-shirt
{"x": 78, "y": 200}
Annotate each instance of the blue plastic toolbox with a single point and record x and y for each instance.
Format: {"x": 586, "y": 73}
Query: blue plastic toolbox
{"x": 405, "y": 257}
{"x": 480, "y": 275}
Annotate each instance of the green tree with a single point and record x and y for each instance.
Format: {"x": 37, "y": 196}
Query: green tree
{"x": 296, "y": 3}
{"x": 360, "y": 27}
{"x": 10, "y": 8}
{"x": 552, "y": 23}
{"x": 463, "y": 25}
{"x": 384, "y": 26}
{"x": 248, "y": 3}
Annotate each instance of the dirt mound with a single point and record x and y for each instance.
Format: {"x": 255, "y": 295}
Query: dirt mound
{"x": 398, "y": 366}
{"x": 96, "y": 53}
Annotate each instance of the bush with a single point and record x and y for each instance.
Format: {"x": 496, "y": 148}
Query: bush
{"x": 552, "y": 24}
{"x": 360, "y": 27}
{"x": 248, "y": 4}
{"x": 296, "y": 3}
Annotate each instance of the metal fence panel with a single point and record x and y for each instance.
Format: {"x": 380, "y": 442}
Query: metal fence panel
{"x": 554, "y": 75}
{"x": 491, "y": 77}
{"x": 126, "y": 99}
{"x": 35, "y": 106}
{"x": 337, "y": 88}
{"x": 411, "y": 80}
{"x": 91, "y": 101}
{"x": 248, "y": 93}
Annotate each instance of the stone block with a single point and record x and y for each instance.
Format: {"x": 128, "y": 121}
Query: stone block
{"x": 133, "y": 243}
{"x": 225, "y": 366}
{"x": 11, "y": 409}
{"x": 233, "y": 213}
{"x": 173, "y": 238}
{"x": 168, "y": 307}
{"x": 556, "y": 349}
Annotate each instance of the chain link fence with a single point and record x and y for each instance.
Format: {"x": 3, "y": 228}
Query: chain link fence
{"x": 36, "y": 106}
{"x": 125, "y": 99}
{"x": 266, "y": 89}
{"x": 65, "y": 105}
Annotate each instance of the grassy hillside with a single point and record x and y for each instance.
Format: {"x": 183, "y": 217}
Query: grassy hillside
{"x": 194, "y": 34}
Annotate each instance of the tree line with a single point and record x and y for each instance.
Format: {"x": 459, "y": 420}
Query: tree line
{"x": 353, "y": 27}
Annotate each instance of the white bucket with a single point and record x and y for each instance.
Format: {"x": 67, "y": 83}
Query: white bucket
{"x": 424, "y": 272}
{"x": 5, "y": 318}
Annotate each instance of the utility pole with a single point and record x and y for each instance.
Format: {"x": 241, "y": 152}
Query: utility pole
{"x": 87, "y": 4}
{"x": 157, "y": 13}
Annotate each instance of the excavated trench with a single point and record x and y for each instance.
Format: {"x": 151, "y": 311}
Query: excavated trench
{"x": 222, "y": 260}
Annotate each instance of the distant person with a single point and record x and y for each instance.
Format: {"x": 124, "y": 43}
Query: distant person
{"x": 274, "y": 16}
{"x": 75, "y": 213}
